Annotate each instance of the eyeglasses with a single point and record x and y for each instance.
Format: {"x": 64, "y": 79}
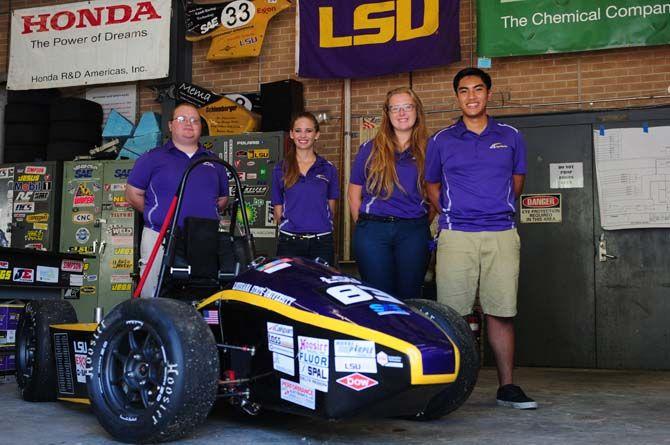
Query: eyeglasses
{"x": 190, "y": 119}
{"x": 395, "y": 109}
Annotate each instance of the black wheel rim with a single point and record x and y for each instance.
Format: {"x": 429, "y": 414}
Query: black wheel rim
{"x": 26, "y": 348}
{"x": 133, "y": 370}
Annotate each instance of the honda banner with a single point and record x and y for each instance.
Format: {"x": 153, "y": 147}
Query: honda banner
{"x": 86, "y": 43}
{"x": 364, "y": 38}
{"x": 521, "y": 27}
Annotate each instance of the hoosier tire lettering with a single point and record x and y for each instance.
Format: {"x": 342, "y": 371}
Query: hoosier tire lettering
{"x": 155, "y": 370}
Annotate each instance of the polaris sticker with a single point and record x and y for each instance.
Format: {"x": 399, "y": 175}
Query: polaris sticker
{"x": 47, "y": 274}
{"x": 313, "y": 358}
{"x": 298, "y": 394}
{"x": 357, "y": 382}
{"x": 280, "y": 342}
{"x": 355, "y": 356}
{"x": 389, "y": 361}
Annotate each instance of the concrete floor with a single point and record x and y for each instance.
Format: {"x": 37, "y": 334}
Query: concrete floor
{"x": 576, "y": 407}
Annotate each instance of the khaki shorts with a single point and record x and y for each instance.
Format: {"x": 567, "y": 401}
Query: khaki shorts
{"x": 490, "y": 260}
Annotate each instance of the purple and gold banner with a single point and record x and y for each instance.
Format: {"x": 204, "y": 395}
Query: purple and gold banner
{"x": 365, "y": 38}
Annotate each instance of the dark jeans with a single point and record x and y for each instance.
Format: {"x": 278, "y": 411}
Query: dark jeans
{"x": 319, "y": 246}
{"x": 393, "y": 256}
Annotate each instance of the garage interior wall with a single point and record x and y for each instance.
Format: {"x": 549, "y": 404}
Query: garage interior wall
{"x": 606, "y": 79}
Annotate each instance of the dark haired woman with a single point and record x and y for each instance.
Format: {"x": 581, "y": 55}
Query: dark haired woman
{"x": 304, "y": 193}
{"x": 387, "y": 199}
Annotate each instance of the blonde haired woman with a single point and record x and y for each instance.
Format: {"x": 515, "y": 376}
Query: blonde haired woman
{"x": 387, "y": 199}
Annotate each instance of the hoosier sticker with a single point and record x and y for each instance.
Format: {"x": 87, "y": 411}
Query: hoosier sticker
{"x": 313, "y": 357}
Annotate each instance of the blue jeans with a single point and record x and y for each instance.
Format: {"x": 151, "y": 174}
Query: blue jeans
{"x": 393, "y": 256}
{"x": 317, "y": 247}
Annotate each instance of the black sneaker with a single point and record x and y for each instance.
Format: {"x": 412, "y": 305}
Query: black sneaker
{"x": 513, "y": 396}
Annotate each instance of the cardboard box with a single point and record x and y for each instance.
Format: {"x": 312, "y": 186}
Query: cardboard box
{"x": 7, "y": 336}
{"x": 7, "y": 360}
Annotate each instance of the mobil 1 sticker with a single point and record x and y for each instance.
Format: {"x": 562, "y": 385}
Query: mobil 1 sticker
{"x": 313, "y": 360}
{"x": 355, "y": 356}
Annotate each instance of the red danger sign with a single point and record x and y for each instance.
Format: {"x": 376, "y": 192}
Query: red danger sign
{"x": 541, "y": 201}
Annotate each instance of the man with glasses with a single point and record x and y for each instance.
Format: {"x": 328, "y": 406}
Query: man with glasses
{"x": 154, "y": 180}
{"x": 475, "y": 171}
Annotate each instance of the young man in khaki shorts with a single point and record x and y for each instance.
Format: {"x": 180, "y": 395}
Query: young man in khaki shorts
{"x": 475, "y": 170}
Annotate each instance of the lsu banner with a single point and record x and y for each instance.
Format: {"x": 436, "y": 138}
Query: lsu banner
{"x": 86, "y": 43}
{"x": 364, "y": 38}
{"x": 522, "y": 27}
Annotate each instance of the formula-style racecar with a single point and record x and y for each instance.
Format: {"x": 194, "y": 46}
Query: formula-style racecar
{"x": 286, "y": 334}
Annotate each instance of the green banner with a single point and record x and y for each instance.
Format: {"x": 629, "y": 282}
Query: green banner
{"x": 523, "y": 27}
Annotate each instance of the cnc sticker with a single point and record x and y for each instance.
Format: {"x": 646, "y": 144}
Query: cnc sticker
{"x": 298, "y": 394}
{"x": 355, "y": 356}
{"x": 313, "y": 358}
{"x": 82, "y": 218}
{"x": 47, "y": 274}
{"x": 82, "y": 235}
{"x": 357, "y": 382}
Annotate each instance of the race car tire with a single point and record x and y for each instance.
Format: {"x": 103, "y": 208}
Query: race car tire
{"x": 460, "y": 333}
{"x": 35, "y": 362}
{"x": 154, "y": 370}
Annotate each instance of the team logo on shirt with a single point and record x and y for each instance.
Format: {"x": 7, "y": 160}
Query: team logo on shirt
{"x": 498, "y": 146}
{"x": 208, "y": 164}
{"x": 323, "y": 177}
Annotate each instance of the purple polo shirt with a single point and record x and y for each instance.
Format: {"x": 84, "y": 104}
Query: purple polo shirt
{"x": 475, "y": 172}
{"x": 306, "y": 208}
{"x": 159, "y": 172}
{"x": 407, "y": 204}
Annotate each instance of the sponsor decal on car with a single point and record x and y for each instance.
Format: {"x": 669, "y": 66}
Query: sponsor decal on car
{"x": 357, "y": 382}
{"x": 121, "y": 287}
{"x": 4, "y": 264}
{"x": 5, "y": 275}
{"x": 298, "y": 394}
{"x": 355, "y": 356}
{"x": 388, "y": 309}
{"x": 87, "y": 290}
{"x": 336, "y": 279}
{"x": 80, "y": 353}
{"x": 123, "y": 251}
{"x": 275, "y": 266}
{"x": 313, "y": 359}
{"x": 264, "y": 292}
{"x": 389, "y": 361}
{"x": 280, "y": 342}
